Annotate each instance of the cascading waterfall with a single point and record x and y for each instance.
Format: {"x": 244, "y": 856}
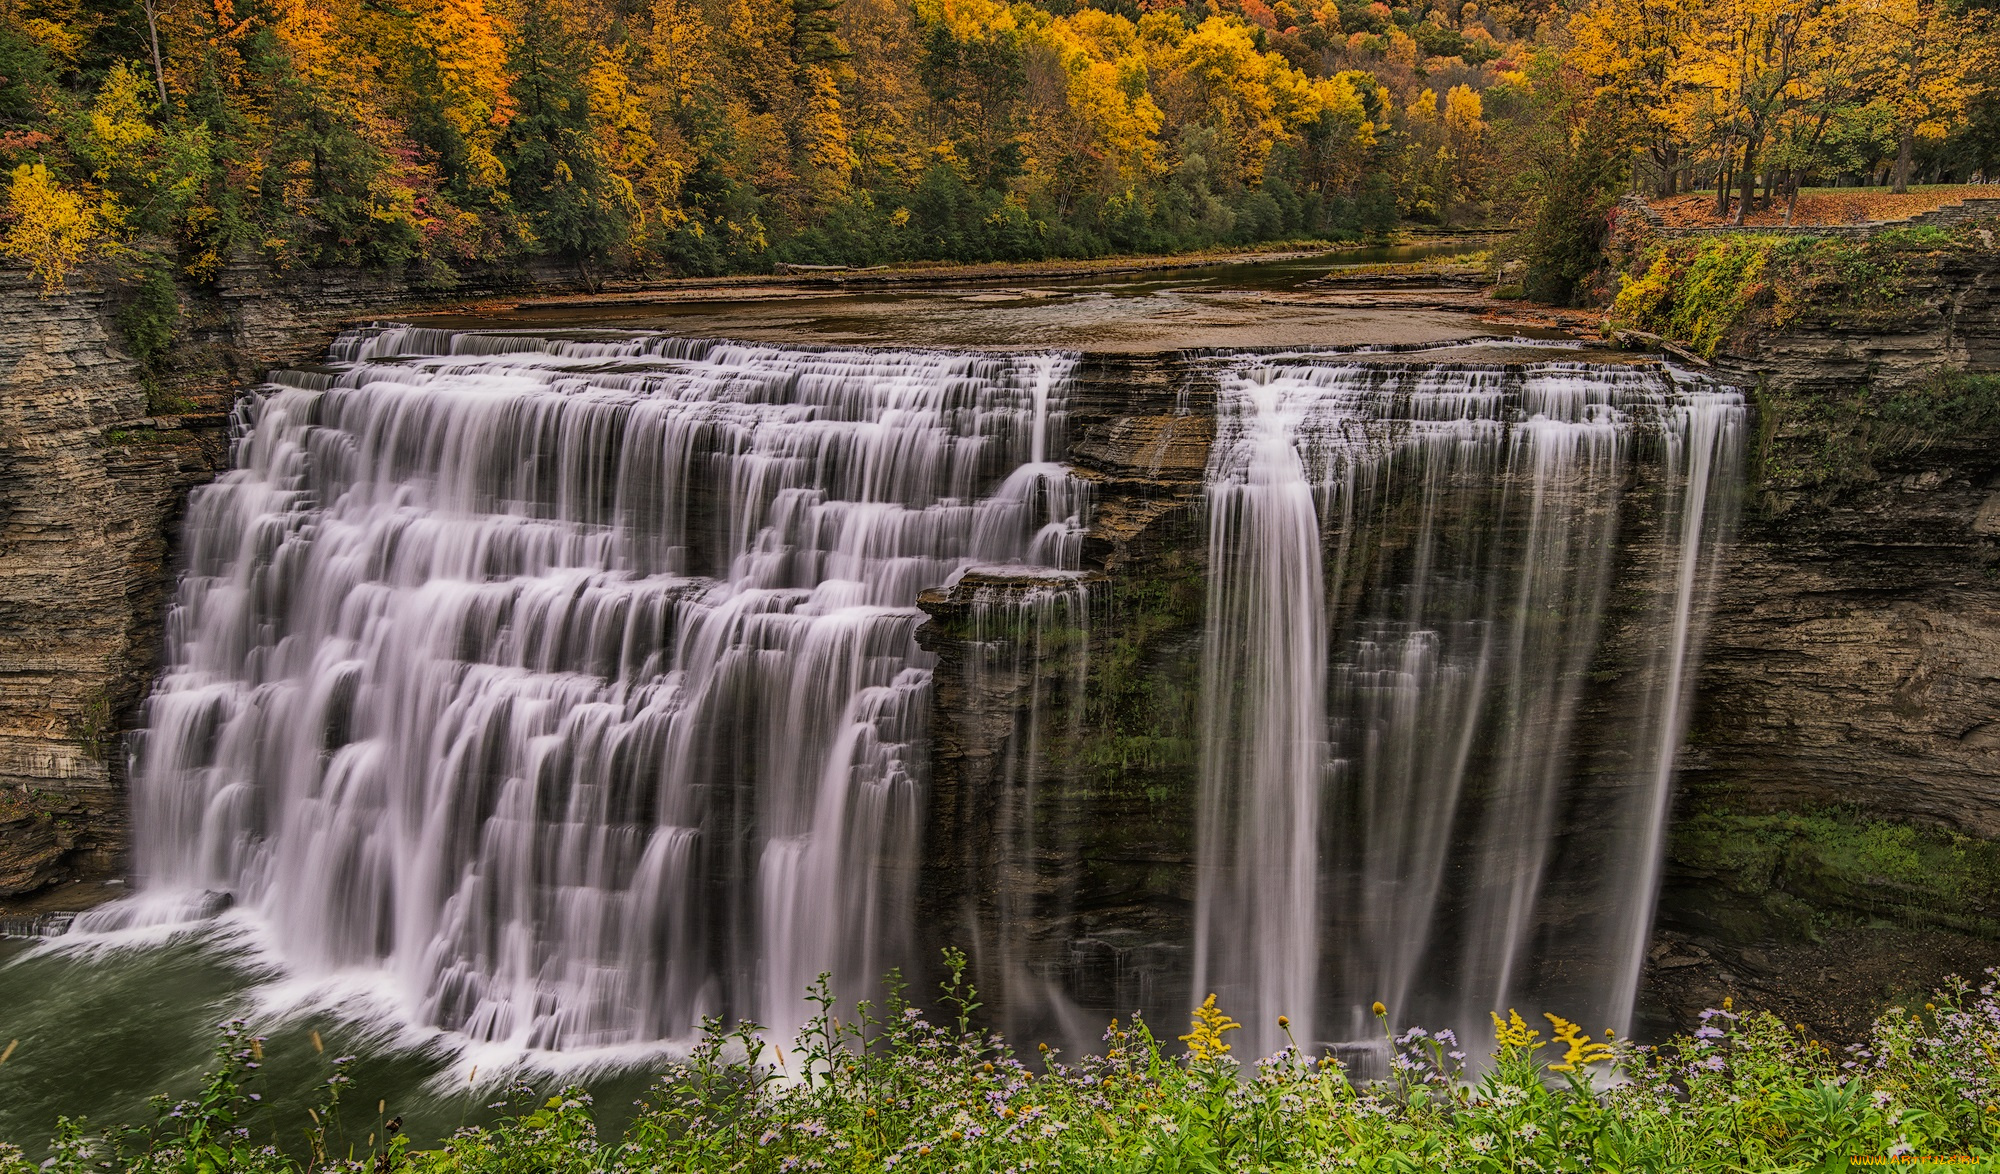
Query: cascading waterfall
{"x": 569, "y": 685}
{"x": 1411, "y": 791}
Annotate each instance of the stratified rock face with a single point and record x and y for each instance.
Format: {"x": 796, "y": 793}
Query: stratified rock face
{"x": 1946, "y": 315}
{"x": 91, "y": 486}
{"x": 1855, "y": 653}
{"x": 1850, "y": 685}
{"x": 1841, "y": 780}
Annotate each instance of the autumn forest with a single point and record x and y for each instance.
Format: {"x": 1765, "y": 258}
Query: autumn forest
{"x": 701, "y": 137}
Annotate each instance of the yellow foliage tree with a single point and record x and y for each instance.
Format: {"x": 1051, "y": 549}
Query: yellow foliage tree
{"x": 53, "y": 229}
{"x": 1931, "y": 60}
{"x": 466, "y": 40}
{"x": 1216, "y": 75}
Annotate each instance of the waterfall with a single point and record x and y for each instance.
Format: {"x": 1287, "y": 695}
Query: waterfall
{"x": 1438, "y": 758}
{"x": 568, "y": 685}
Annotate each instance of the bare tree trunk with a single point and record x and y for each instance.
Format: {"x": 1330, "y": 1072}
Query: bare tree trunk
{"x": 1749, "y": 183}
{"x": 1722, "y": 178}
{"x": 1906, "y": 145}
{"x": 159, "y": 68}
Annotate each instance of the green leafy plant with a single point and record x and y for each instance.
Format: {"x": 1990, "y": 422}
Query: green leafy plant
{"x": 886, "y": 1090}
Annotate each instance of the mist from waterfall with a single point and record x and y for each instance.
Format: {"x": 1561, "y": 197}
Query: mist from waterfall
{"x": 569, "y": 685}
{"x": 1437, "y": 758}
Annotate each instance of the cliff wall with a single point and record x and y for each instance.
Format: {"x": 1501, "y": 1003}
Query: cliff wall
{"x": 1837, "y": 838}
{"x": 1840, "y": 793}
{"x": 1060, "y": 855}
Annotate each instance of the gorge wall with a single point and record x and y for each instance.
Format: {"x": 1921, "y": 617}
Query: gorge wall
{"x": 1837, "y": 837}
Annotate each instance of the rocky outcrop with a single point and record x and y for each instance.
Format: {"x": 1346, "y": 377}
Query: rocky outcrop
{"x": 1840, "y": 791}
{"x": 90, "y": 481}
{"x": 1058, "y": 850}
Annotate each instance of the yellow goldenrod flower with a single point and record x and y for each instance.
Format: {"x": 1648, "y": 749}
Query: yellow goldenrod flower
{"x": 1581, "y": 1051}
{"x": 1513, "y": 1031}
{"x": 1204, "y": 1039}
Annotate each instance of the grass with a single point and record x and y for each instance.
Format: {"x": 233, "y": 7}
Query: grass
{"x": 887, "y": 1090}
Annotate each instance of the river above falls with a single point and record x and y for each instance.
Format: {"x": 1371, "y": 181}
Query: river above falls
{"x": 1245, "y": 304}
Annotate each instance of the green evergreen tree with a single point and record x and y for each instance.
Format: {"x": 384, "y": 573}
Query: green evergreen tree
{"x": 558, "y": 176}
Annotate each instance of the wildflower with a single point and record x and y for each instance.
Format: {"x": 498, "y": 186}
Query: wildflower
{"x": 1483, "y": 1142}
{"x": 1284, "y": 1023}
{"x": 1204, "y": 1041}
{"x": 1513, "y": 1032}
{"x": 1379, "y": 1009}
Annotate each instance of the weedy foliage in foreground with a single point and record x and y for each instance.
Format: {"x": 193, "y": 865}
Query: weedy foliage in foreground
{"x": 891, "y": 1091}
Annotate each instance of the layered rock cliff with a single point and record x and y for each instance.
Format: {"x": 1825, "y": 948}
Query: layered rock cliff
{"x": 1837, "y": 842}
{"x": 1059, "y": 853}
{"x": 92, "y": 478}
{"x": 1840, "y": 797}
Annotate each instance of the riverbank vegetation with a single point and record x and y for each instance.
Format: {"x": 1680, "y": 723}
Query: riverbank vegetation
{"x": 884, "y": 1089}
{"x": 712, "y": 136}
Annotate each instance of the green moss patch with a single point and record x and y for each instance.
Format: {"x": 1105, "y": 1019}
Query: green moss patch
{"x": 1846, "y": 868}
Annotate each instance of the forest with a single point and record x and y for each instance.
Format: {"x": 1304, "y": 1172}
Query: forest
{"x": 700, "y": 137}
